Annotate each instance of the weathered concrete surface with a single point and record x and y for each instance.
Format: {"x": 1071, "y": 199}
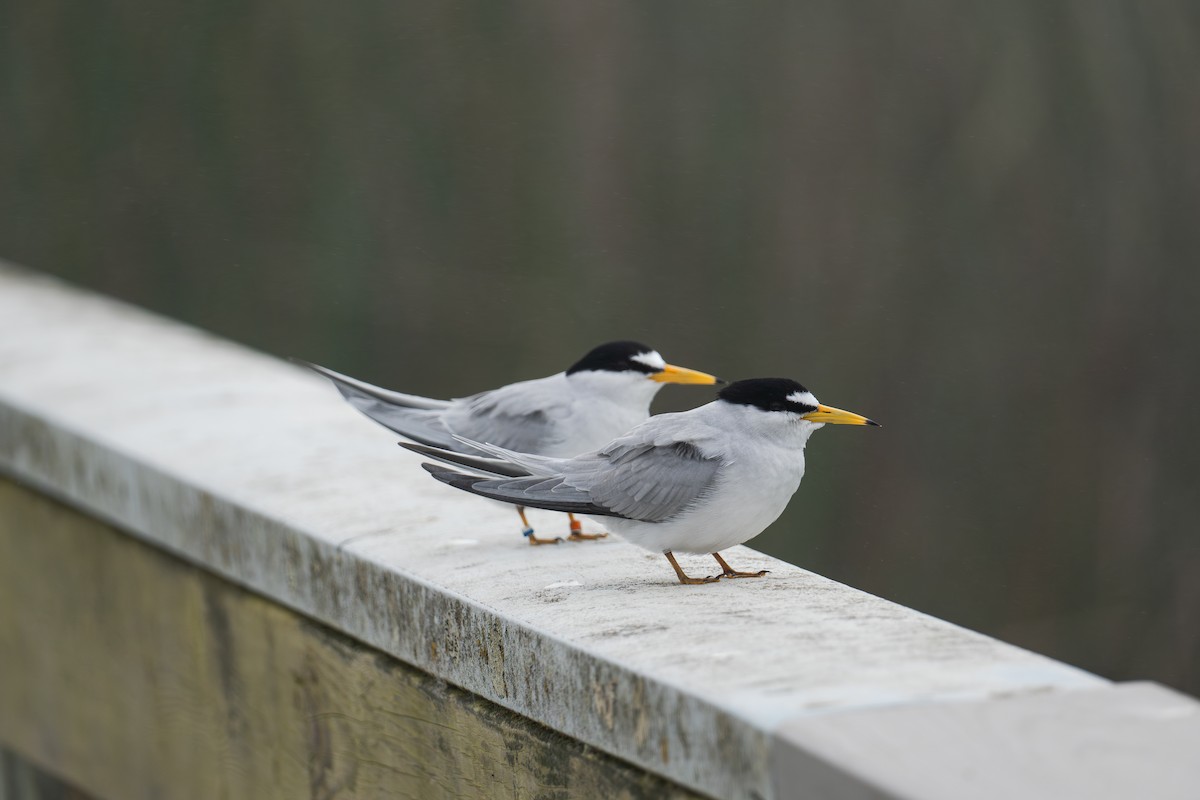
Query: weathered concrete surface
{"x": 136, "y": 675}
{"x": 258, "y": 472}
{"x": 1133, "y": 740}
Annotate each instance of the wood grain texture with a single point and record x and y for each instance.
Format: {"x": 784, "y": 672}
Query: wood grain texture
{"x": 21, "y": 780}
{"x": 132, "y": 674}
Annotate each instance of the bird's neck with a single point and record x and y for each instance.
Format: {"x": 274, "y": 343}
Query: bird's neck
{"x": 631, "y": 391}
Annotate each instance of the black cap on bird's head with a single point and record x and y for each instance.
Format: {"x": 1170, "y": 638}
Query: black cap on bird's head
{"x": 617, "y": 357}
{"x": 770, "y": 394}
{"x": 627, "y": 356}
{"x": 784, "y": 394}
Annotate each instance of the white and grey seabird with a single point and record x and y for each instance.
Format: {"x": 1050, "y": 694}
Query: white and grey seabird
{"x": 601, "y": 396}
{"x": 698, "y": 481}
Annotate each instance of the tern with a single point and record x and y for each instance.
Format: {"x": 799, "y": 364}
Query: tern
{"x": 598, "y": 398}
{"x": 697, "y": 481}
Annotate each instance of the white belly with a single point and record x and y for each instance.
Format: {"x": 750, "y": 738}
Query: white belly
{"x": 745, "y": 502}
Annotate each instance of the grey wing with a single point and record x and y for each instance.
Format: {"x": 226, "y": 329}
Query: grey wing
{"x": 648, "y": 482}
{"x": 642, "y": 481}
{"x": 521, "y": 416}
{"x": 418, "y": 418}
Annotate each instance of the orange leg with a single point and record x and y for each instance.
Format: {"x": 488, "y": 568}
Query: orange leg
{"x": 683, "y": 578}
{"x": 730, "y": 572}
{"x": 527, "y": 531}
{"x": 577, "y": 534}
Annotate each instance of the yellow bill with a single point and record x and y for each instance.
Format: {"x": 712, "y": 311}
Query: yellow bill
{"x": 828, "y": 415}
{"x": 673, "y": 374}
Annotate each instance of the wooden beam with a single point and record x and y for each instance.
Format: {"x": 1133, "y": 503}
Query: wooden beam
{"x": 132, "y": 674}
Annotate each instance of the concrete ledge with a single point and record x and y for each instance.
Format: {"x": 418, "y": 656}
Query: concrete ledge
{"x": 1131, "y": 740}
{"x": 257, "y": 472}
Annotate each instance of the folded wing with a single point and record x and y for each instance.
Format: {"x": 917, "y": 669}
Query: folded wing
{"x": 521, "y": 416}
{"x": 642, "y": 480}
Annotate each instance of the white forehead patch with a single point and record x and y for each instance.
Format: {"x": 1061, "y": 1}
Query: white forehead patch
{"x": 651, "y": 359}
{"x": 803, "y": 398}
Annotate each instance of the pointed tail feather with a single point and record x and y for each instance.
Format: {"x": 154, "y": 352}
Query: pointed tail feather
{"x": 418, "y": 418}
{"x": 527, "y": 462}
{"x": 513, "y": 491}
{"x": 346, "y": 384}
{"x": 481, "y": 465}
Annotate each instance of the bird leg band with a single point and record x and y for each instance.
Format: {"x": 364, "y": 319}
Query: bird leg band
{"x": 527, "y": 531}
{"x": 577, "y": 534}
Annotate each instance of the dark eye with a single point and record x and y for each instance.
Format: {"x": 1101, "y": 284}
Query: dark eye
{"x": 778, "y": 406}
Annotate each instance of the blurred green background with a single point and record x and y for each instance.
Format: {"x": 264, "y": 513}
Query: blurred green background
{"x": 974, "y": 222}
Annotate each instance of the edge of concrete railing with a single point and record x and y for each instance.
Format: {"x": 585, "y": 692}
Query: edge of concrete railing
{"x": 790, "y": 686}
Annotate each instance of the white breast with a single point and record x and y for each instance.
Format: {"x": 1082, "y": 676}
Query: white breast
{"x": 593, "y": 424}
{"x": 604, "y": 405}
